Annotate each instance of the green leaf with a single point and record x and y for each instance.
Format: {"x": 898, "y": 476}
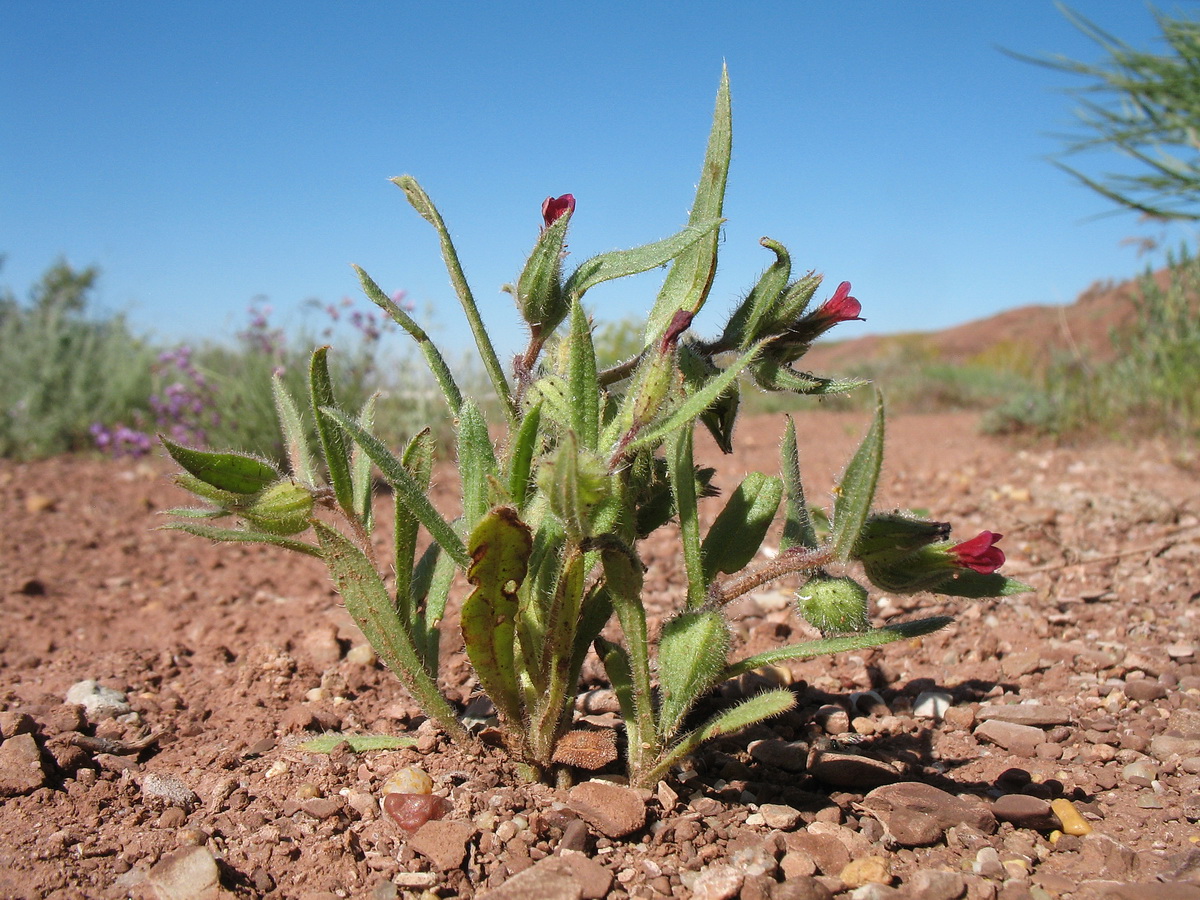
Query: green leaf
{"x": 691, "y": 660}
{"x": 719, "y": 418}
{"x": 900, "y": 631}
{"x": 476, "y": 461}
{"x": 359, "y": 743}
{"x": 403, "y": 484}
{"x": 360, "y": 467}
{"x": 856, "y": 492}
{"x": 683, "y": 487}
{"x": 433, "y": 357}
{"x": 620, "y": 263}
{"x": 798, "y": 527}
{"x": 616, "y": 667}
{"x": 333, "y": 442}
{"x": 551, "y": 392}
{"x": 487, "y": 353}
{"x": 242, "y": 536}
{"x": 295, "y": 435}
{"x": 690, "y": 279}
{"x": 976, "y": 585}
{"x": 227, "y": 500}
{"x": 234, "y": 472}
{"x": 574, "y": 481}
{"x": 524, "y": 447}
{"x": 418, "y": 461}
{"x": 761, "y": 706}
{"x": 368, "y": 603}
{"x": 500, "y": 547}
{"x": 740, "y": 527}
{"x": 775, "y": 375}
{"x": 583, "y": 389}
{"x": 694, "y": 405}
{"x": 539, "y": 294}
{"x": 743, "y": 327}
{"x": 197, "y": 512}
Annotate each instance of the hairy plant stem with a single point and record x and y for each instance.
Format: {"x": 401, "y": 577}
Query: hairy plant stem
{"x": 797, "y": 559}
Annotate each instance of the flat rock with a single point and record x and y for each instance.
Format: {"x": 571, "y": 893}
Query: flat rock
{"x": 1019, "y": 739}
{"x": 778, "y": 815}
{"x": 850, "y": 770}
{"x": 935, "y": 884}
{"x": 552, "y": 878}
{"x": 914, "y": 814}
{"x": 826, "y": 851}
{"x": 716, "y": 882}
{"x": 98, "y": 702}
{"x": 1026, "y": 714}
{"x": 594, "y": 879}
{"x": 188, "y": 874}
{"x": 1024, "y": 811}
{"x": 611, "y": 809}
{"x": 791, "y": 756}
{"x": 22, "y": 770}
{"x": 1164, "y": 746}
{"x": 443, "y": 842}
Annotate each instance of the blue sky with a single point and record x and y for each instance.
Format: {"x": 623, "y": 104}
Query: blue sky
{"x": 208, "y": 154}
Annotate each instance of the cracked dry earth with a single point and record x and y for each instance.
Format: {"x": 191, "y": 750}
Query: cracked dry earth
{"x": 1043, "y": 746}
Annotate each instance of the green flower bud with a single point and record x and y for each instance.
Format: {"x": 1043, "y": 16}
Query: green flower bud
{"x": 834, "y": 605}
{"x": 894, "y": 535}
{"x": 283, "y": 508}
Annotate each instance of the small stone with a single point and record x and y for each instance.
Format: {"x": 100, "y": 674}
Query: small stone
{"x": 777, "y": 815}
{"x": 22, "y": 770}
{"x": 443, "y": 843}
{"x": 361, "y": 655}
{"x": 717, "y": 882}
{"x": 188, "y": 874}
{"x": 1016, "y": 738}
{"x": 14, "y": 723}
{"x": 411, "y": 811}
{"x": 1145, "y": 690}
{"x": 961, "y": 718}
{"x": 851, "y": 770}
{"x": 987, "y": 863}
{"x": 40, "y": 503}
{"x": 801, "y": 889}
{"x": 1014, "y": 665}
{"x": 826, "y": 852}
{"x": 797, "y": 864}
{"x": 611, "y": 809}
{"x": 868, "y": 870}
{"x": 594, "y": 879}
{"x": 1027, "y": 714}
{"x": 1072, "y": 821}
{"x": 1141, "y": 773}
{"x": 98, "y": 702}
{"x": 549, "y": 879}
{"x": 833, "y": 719}
{"x": 169, "y": 790}
{"x": 914, "y": 814}
{"x": 934, "y": 884}
{"x": 791, "y": 756}
{"x": 932, "y": 704}
{"x": 321, "y": 646}
{"x": 575, "y": 837}
{"x": 1181, "y": 650}
{"x": 1164, "y": 746}
{"x": 409, "y": 780}
{"x": 1025, "y": 811}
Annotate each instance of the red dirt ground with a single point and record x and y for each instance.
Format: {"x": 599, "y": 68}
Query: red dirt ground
{"x": 228, "y": 656}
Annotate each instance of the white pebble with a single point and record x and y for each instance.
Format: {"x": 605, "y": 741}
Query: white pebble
{"x": 932, "y": 704}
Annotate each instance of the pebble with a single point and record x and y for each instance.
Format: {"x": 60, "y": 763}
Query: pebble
{"x": 791, "y": 756}
{"x": 1014, "y": 737}
{"x": 1072, "y": 821}
{"x": 934, "y": 884}
{"x": 1026, "y": 714}
{"x": 409, "y": 780}
{"x": 98, "y": 702}
{"x": 22, "y": 770}
{"x": 411, "y": 811}
{"x": 443, "y": 843}
{"x": 188, "y": 874}
{"x": 867, "y": 870}
{"x": 825, "y": 851}
{"x": 987, "y": 863}
{"x": 777, "y": 815}
{"x": 169, "y": 790}
{"x": 594, "y": 879}
{"x": 1141, "y": 773}
{"x": 932, "y": 704}
{"x": 1164, "y": 746}
{"x": 914, "y": 814}
{"x": 850, "y": 770}
{"x": 611, "y": 809}
{"x": 552, "y": 878}
{"x": 1025, "y": 811}
{"x": 717, "y": 882}
{"x": 1181, "y": 650}
{"x": 1145, "y": 690}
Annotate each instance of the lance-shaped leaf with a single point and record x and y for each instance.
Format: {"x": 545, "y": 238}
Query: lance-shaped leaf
{"x": 856, "y": 491}
{"x": 359, "y": 743}
{"x": 369, "y": 605}
{"x": 691, "y": 660}
{"x": 433, "y": 356}
{"x": 500, "y": 547}
{"x": 525, "y": 446}
{"x": 551, "y": 391}
{"x": 574, "y": 481}
{"x": 683, "y": 487}
{"x": 242, "y": 536}
{"x": 476, "y": 461}
{"x": 688, "y": 283}
{"x": 616, "y": 667}
{"x": 719, "y": 418}
{"x": 623, "y": 578}
{"x": 790, "y": 305}
{"x": 743, "y": 327}
{"x": 228, "y": 501}
{"x": 583, "y": 390}
{"x": 773, "y": 374}
{"x": 977, "y": 585}
{"x": 900, "y": 631}
{"x": 360, "y": 468}
{"x": 487, "y": 352}
{"x": 740, "y": 527}
{"x": 798, "y": 530}
{"x": 333, "y": 441}
{"x": 418, "y": 460}
{"x": 234, "y": 472}
{"x": 295, "y": 435}
{"x": 620, "y": 263}
{"x": 402, "y": 483}
{"x": 539, "y": 293}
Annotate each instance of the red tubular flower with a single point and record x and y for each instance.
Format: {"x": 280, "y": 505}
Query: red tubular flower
{"x": 980, "y": 553}
{"x": 841, "y": 307}
{"x": 554, "y": 208}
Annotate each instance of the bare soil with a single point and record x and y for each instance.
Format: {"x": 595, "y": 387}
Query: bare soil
{"x": 229, "y": 656}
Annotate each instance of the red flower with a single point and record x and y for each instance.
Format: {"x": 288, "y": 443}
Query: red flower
{"x": 980, "y": 553}
{"x": 554, "y": 208}
{"x": 841, "y": 307}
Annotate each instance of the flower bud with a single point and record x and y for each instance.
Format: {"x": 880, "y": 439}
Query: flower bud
{"x": 894, "y": 535}
{"x": 282, "y": 508}
{"x": 834, "y": 605}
